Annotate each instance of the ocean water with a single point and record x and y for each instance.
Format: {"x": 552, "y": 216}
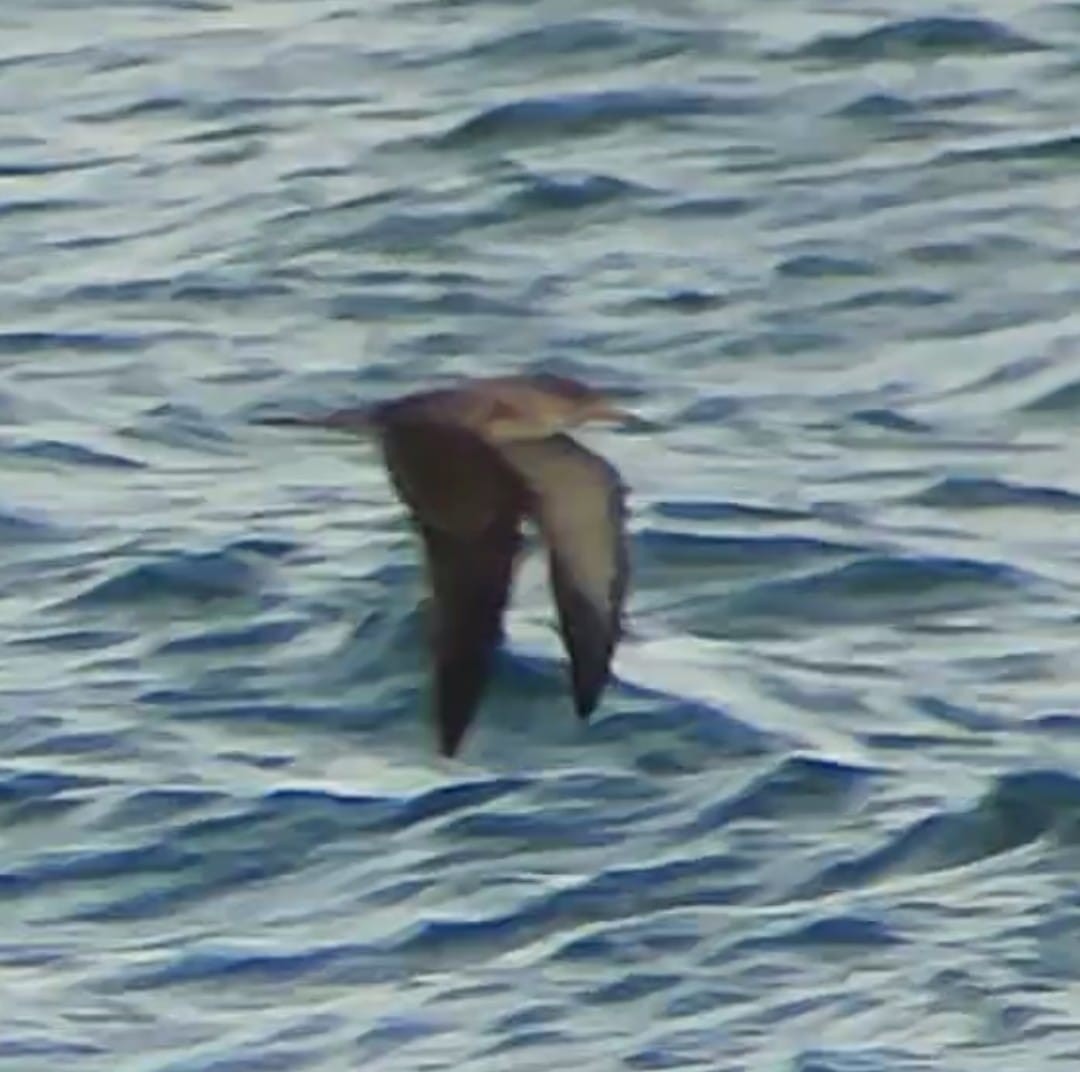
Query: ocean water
{"x": 827, "y": 818}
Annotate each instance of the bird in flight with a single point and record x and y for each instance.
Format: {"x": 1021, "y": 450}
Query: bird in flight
{"x": 472, "y": 463}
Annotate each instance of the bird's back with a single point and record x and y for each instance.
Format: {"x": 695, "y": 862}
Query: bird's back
{"x": 448, "y": 477}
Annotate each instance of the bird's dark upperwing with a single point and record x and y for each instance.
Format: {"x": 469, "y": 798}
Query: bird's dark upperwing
{"x": 578, "y": 500}
{"x": 467, "y": 506}
{"x": 470, "y": 583}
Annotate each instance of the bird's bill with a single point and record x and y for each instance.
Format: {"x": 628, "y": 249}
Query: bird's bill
{"x": 607, "y": 411}
{"x": 604, "y": 409}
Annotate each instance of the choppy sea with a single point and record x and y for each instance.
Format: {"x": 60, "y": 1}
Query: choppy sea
{"x": 827, "y": 818}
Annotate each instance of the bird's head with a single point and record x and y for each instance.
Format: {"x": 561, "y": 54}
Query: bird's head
{"x": 534, "y": 407}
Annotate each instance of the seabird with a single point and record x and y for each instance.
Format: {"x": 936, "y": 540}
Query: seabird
{"x": 471, "y": 463}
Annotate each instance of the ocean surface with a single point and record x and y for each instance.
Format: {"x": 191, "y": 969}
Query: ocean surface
{"x": 827, "y": 818}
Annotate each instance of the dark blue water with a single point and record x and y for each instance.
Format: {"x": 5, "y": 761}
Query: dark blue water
{"x": 828, "y": 817}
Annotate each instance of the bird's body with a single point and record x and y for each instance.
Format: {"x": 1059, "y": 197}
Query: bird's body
{"x": 471, "y": 464}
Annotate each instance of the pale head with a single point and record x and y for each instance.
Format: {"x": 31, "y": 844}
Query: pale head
{"x": 511, "y": 408}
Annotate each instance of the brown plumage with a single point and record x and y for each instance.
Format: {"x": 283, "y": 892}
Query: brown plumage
{"x": 471, "y": 463}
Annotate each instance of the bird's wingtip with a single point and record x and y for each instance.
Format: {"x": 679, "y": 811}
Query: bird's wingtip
{"x": 449, "y": 736}
{"x": 588, "y": 688}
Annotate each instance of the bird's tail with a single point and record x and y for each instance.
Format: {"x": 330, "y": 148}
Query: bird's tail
{"x": 356, "y": 421}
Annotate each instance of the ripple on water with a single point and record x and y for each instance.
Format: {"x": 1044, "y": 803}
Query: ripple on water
{"x": 712, "y": 510}
{"x": 681, "y": 736}
{"x": 825, "y": 266}
{"x": 21, "y": 527}
{"x": 543, "y": 118}
{"x": 17, "y": 343}
{"x": 889, "y": 420}
{"x": 1064, "y": 400}
{"x": 548, "y": 193}
{"x": 180, "y": 426}
{"x": 1020, "y": 808}
{"x": 876, "y": 106}
{"x": 882, "y": 588}
{"x": 794, "y": 789}
{"x": 194, "y": 847}
{"x": 922, "y": 38}
{"x": 860, "y": 1059}
{"x": 614, "y": 895}
{"x": 618, "y": 40}
{"x": 57, "y": 452}
{"x": 1051, "y": 150}
{"x": 27, "y": 169}
{"x": 975, "y": 493}
{"x": 753, "y": 554}
{"x": 225, "y": 574}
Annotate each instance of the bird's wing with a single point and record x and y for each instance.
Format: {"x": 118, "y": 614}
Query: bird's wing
{"x": 470, "y": 585}
{"x": 467, "y": 507}
{"x": 578, "y": 500}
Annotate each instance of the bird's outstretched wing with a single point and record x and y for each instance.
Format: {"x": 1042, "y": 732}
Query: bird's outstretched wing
{"x": 470, "y": 585}
{"x": 468, "y": 507}
{"x": 578, "y": 501}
